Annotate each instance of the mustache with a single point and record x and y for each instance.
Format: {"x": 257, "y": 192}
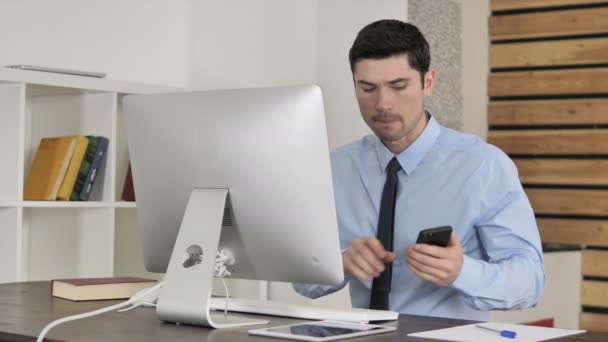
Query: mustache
{"x": 385, "y": 116}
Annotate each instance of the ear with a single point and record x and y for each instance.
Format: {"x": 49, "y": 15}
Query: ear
{"x": 429, "y": 82}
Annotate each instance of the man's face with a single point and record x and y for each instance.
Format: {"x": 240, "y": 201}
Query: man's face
{"x": 391, "y": 98}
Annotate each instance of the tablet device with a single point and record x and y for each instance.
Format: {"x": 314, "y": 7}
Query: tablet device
{"x": 322, "y": 330}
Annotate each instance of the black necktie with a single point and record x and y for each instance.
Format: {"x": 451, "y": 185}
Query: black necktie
{"x": 381, "y": 286}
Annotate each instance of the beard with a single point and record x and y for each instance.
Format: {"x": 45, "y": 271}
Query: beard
{"x": 386, "y": 116}
{"x": 397, "y": 131}
{"x": 386, "y": 136}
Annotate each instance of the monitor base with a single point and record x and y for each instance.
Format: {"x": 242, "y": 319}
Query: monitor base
{"x": 185, "y": 295}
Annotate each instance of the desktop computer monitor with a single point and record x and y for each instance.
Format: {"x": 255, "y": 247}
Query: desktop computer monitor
{"x": 268, "y": 149}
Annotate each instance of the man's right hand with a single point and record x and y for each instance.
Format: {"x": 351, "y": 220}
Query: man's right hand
{"x": 365, "y": 258}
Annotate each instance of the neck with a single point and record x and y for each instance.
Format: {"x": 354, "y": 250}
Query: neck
{"x": 398, "y": 146}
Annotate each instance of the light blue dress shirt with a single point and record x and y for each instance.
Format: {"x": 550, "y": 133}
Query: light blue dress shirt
{"x": 447, "y": 178}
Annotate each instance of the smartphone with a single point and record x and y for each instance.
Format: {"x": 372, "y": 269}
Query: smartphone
{"x": 438, "y": 236}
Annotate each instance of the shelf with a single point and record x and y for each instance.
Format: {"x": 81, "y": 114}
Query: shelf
{"x": 90, "y": 238}
{"x": 46, "y": 83}
{"x": 65, "y": 204}
{"x": 124, "y": 204}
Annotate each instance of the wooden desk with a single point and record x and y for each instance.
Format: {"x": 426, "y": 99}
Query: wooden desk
{"x": 25, "y": 308}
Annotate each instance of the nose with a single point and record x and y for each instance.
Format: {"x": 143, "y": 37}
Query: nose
{"x": 384, "y": 101}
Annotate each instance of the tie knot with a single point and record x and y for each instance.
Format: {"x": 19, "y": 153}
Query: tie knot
{"x": 393, "y": 166}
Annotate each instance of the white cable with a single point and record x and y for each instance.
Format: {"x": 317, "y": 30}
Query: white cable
{"x": 136, "y": 306}
{"x": 131, "y": 301}
{"x": 223, "y": 258}
{"x": 227, "y": 297}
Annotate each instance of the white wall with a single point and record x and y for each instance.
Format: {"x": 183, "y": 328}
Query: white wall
{"x": 475, "y": 50}
{"x": 144, "y": 41}
{"x": 282, "y": 42}
{"x": 339, "y": 22}
{"x": 240, "y": 44}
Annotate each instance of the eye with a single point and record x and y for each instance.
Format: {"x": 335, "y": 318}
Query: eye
{"x": 368, "y": 89}
{"x": 399, "y": 86}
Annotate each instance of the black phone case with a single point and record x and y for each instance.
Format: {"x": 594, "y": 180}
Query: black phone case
{"x": 438, "y": 236}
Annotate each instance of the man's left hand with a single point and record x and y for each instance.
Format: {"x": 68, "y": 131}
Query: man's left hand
{"x": 437, "y": 265}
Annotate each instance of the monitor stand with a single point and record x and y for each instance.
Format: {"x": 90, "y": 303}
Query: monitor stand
{"x": 184, "y": 296}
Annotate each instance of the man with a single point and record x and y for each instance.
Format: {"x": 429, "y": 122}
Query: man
{"x": 493, "y": 259}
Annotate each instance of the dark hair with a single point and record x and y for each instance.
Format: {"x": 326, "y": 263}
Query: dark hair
{"x": 388, "y": 38}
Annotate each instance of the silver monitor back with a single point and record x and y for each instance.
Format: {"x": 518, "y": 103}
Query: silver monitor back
{"x": 267, "y": 146}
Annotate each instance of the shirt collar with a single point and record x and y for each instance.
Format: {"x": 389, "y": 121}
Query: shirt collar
{"x": 411, "y": 157}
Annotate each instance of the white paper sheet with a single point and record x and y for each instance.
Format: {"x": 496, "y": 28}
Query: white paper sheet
{"x": 525, "y": 333}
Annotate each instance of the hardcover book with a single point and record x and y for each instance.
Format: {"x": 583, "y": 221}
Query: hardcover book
{"x": 128, "y": 192}
{"x": 48, "y": 168}
{"x": 99, "y": 288}
{"x": 65, "y": 190}
{"x": 85, "y": 166}
{"x": 95, "y": 168}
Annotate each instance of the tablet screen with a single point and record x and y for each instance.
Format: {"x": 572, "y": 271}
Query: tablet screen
{"x": 318, "y": 330}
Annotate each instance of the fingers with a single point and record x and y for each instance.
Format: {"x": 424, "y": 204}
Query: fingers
{"x": 351, "y": 268}
{"x": 437, "y": 265}
{"x": 390, "y": 257}
{"x": 434, "y": 251}
{"x": 375, "y": 246}
{"x": 365, "y": 258}
{"x": 425, "y": 276}
{"x": 426, "y": 259}
{"x": 437, "y": 272}
{"x": 371, "y": 267}
{"x": 367, "y": 255}
{"x": 454, "y": 242}
{"x": 432, "y": 274}
{"x": 384, "y": 255}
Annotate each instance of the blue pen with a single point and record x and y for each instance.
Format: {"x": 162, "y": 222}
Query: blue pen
{"x": 503, "y": 333}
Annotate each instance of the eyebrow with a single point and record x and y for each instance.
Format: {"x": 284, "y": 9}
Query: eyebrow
{"x": 399, "y": 80}
{"x": 392, "y": 82}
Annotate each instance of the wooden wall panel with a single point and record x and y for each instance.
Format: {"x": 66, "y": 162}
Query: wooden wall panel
{"x": 549, "y": 82}
{"x": 594, "y": 293}
{"x": 563, "y": 171}
{"x": 569, "y": 201}
{"x": 579, "y": 231}
{"x": 549, "y": 24}
{"x": 595, "y": 263}
{"x": 594, "y": 322}
{"x": 549, "y": 53}
{"x": 552, "y": 142}
{"x": 500, "y": 5}
{"x": 548, "y": 88}
{"x": 548, "y": 112}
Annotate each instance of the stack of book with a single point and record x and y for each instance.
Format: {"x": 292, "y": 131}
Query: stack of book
{"x": 65, "y": 168}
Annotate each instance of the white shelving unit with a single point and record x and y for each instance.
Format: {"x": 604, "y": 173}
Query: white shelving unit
{"x": 44, "y": 240}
